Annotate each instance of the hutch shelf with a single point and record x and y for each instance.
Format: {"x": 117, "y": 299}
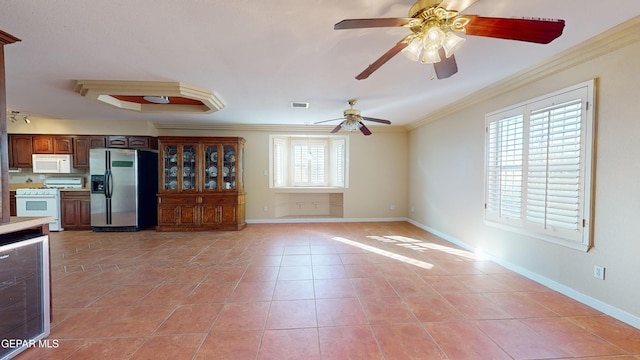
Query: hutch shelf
{"x": 201, "y": 183}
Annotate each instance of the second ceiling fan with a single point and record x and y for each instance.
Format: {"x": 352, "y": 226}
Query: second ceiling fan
{"x": 433, "y": 24}
{"x": 352, "y": 120}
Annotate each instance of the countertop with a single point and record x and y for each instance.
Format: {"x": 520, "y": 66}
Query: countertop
{"x": 23, "y": 223}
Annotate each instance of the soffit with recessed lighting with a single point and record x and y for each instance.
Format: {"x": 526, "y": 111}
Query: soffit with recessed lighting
{"x": 130, "y": 95}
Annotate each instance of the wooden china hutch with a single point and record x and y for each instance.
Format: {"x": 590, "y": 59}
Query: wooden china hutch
{"x": 201, "y": 183}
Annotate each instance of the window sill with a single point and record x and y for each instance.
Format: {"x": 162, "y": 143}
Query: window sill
{"x": 324, "y": 189}
{"x": 584, "y": 247}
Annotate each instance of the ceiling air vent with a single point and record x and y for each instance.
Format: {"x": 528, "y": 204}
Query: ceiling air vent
{"x": 299, "y": 105}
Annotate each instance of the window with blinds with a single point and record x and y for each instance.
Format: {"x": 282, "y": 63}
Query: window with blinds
{"x": 539, "y": 166}
{"x": 305, "y": 161}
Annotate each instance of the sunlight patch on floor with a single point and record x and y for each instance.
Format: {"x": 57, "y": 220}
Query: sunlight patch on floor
{"x": 386, "y": 253}
{"x": 421, "y": 246}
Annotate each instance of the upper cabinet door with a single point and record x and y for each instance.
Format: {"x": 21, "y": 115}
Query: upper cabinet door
{"x": 42, "y": 144}
{"x": 62, "y": 145}
{"x": 21, "y": 150}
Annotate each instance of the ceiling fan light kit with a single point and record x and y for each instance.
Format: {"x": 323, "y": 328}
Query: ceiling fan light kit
{"x": 352, "y": 120}
{"x": 434, "y": 24}
{"x": 434, "y": 32}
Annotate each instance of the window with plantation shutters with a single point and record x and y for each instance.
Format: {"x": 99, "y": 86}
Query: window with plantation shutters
{"x": 539, "y": 166}
{"x": 308, "y": 161}
{"x": 505, "y": 168}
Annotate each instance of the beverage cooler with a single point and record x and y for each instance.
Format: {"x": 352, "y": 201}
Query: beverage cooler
{"x": 124, "y": 184}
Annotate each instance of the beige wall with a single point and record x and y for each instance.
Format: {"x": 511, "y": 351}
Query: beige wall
{"x": 79, "y": 127}
{"x": 446, "y": 183}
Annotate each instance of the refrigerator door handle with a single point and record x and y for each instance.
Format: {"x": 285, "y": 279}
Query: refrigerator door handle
{"x": 108, "y": 186}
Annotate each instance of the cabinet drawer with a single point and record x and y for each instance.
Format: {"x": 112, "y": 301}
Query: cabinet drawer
{"x": 178, "y": 200}
{"x": 75, "y": 195}
{"x": 220, "y": 199}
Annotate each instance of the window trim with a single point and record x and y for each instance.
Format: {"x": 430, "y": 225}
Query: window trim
{"x": 584, "y": 240}
{"x": 287, "y": 141}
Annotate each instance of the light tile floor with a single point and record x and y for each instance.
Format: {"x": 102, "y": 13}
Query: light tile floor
{"x": 308, "y": 291}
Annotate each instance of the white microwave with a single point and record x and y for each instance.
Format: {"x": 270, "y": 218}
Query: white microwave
{"x": 51, "y": 163}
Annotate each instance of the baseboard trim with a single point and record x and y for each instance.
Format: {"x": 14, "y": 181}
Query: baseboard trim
{"x": 321, "y": 220}
{"x": 599, "y": 305}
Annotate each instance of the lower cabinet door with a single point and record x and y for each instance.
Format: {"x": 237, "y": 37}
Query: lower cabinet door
{"x": 211, "y": 214}
{"x": 171, "y": 215}
{"x": 228, "y": 214}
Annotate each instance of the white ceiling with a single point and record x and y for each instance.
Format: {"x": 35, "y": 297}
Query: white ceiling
{"x": 258, "y": 56}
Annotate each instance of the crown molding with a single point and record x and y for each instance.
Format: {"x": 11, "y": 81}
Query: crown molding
{"x": 270, "y": 127}
{"x": 611, "y": 40}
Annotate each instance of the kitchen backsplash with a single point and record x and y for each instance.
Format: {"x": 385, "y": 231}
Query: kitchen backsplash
{"x": 27, "y": 176}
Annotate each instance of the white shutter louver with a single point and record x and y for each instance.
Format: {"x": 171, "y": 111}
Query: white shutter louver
{"x": 553, "y": 177}
{"x": 504, "y": 167}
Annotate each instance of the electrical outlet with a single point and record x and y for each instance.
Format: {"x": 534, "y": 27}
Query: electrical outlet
{"x": 265, "y": 208}
{"x": 598, "y": 272}
{"x": 392, "y": 207}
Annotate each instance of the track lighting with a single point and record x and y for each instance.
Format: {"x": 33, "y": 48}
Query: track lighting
{"x": 13, "y": 116}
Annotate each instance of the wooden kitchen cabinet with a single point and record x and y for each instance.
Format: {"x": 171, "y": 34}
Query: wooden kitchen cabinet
{"x": 20, "y": 150}
{"x": 51, "y": 144}
{"x": 132, "y": 142}
{"x": 81, "y": 146}
{"x": 201, "y": 184}
{"x": 13, "y": 210}
{"x": 75, "y": 210}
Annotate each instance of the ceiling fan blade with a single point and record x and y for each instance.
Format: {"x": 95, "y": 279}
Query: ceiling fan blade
{"x": 457, "y": 5}
{"x": 382, "y": 59}
{"x": 365, "y": 130}
{"x": 541, "y": 31}
{"x": 324, "y": 121}
{"x": 369, "y": 23}
{"x": 337, "y": 128}
{"x": 445, "y": 67}
{"x": 376, "y": 120}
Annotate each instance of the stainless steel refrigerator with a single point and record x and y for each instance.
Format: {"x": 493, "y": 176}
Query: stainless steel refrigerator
{"x": 124, "y": 185}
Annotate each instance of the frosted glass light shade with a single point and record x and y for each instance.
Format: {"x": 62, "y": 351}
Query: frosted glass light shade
{"x": 452, "y": 42}
{"x": 430, "y": 56}
{"x": 412, "y": 51}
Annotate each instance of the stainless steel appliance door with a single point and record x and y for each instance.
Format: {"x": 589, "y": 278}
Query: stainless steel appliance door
{"x": 24, "y": 292}
{"x": 121, "y": 184}
{"x": 98, "y": 167}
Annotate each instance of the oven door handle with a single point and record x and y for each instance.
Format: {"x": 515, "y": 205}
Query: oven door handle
{"x": 38, "y": 197}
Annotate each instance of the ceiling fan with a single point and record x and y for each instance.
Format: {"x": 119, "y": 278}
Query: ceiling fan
{"x": 433, "y": 24}
{"x": 352, "y": 120}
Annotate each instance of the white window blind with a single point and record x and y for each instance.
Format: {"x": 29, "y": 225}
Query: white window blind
{"x": 299, "y": 161}
{"x": 554, "y": 168}
{"x": 504, "y": 167}
{"x": 338, "y": 149}
{"x": 279, "y": 162}
{"x": 538, "y": 166}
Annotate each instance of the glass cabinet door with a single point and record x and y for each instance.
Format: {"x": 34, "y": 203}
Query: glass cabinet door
{"x": 229, "y": 167}
{"x": 189, "y": 167}
{"x": 211, "y": 167}
{"x": 170, "y": 175}
{"x": 179, "y": 168}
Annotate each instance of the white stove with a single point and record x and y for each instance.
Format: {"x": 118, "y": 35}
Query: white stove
{"x": 36, "y": 202}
